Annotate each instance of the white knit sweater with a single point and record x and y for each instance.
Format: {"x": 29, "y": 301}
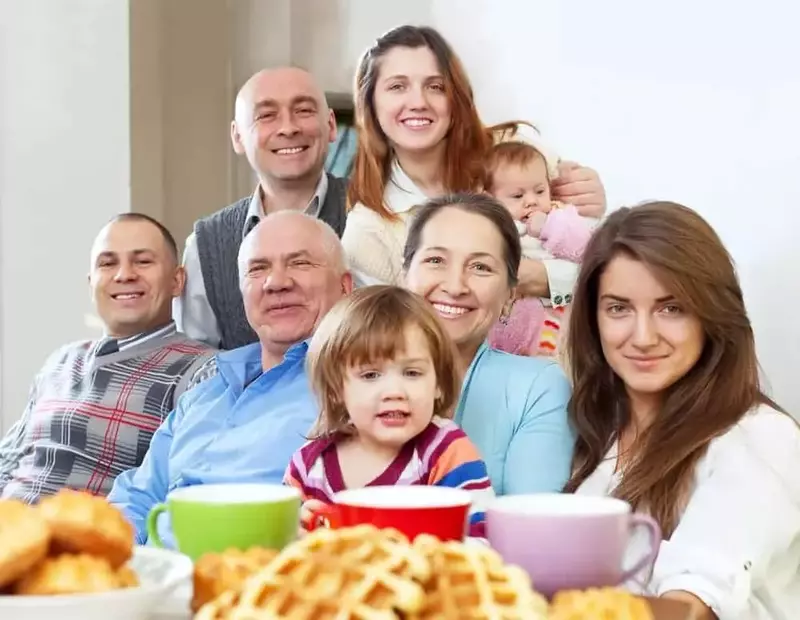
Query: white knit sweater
{"x": 373, "y": 244}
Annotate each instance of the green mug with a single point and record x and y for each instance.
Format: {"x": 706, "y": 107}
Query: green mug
{"x": 216, "y": 517}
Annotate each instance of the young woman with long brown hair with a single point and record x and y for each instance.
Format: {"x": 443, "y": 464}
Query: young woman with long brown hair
{"x": 420, "y": 137}
{"x": 671, "y": 415}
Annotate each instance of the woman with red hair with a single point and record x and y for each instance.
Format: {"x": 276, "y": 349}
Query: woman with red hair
{"x": 420, "y": 137}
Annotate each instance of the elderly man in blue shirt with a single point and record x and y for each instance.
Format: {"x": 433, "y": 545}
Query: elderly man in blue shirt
{"x": 252, "y": 406}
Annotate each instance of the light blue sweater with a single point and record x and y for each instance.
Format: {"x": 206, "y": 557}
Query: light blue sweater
{"x": 514, "y": 409}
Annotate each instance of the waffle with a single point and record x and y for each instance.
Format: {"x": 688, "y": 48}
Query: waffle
{"x": 220, "y": 608}
{"x": 215, "y": 573}
{"x": 359, "y": 573}
{"x": 472, "y": 582}
{"x": 605, "y": 603}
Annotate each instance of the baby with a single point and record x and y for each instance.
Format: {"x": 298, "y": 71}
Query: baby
{"x": 519, "y": 177}
{"x": 384, "y": 372}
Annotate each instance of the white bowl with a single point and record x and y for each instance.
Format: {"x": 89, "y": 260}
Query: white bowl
{"x": 159, "y": 571}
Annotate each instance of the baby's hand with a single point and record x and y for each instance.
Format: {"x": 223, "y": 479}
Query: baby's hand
{"x": 307, "y": 512}
{"x": 536, "y": 223}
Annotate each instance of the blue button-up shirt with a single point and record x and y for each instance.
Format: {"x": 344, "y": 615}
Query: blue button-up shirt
{"x": 242, "y": 425}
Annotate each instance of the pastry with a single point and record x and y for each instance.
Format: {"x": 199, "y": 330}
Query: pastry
{"x": 74, "y": 574}
{"x": 24, "y": 540}
{"x": 605, "y": 603}
{"x": 83, "y": 523}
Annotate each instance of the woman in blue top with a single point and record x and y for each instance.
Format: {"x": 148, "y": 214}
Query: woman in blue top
{"x": 462, "y": 255}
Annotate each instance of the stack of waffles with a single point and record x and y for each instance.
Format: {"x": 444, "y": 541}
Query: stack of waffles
{"x": 363, "y": 573}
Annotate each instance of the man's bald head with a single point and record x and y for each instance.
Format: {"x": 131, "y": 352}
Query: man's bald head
{"x": 289, "y": 224}
{"x": 292, "y": 270}
{"x": 280, "y": 79}
{"x": 283, "y": 124}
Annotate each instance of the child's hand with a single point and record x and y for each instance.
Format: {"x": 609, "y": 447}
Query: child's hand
{"x": 536, "y": 223}
{"x": 307, "y": 511}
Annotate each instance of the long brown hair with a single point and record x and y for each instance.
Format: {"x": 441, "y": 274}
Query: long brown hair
{"x": 689, "y": 259}
{"x": 369, "y": 326}
{"x": 467, "y": 141}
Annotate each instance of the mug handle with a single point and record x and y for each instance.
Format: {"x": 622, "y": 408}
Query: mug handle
{"x": 152, "y": 525}
{"x": 322, "y": 516}
{"x": 646, "y": 522}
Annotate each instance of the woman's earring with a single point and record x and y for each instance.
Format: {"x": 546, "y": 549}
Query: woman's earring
{"x": 505, "y": 315}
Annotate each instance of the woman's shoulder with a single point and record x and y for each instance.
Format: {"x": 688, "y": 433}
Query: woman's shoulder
{"x": 764, "y": 423}
{"x": 523, "y": 383}
{"x": 518, "y": 369}
{"x": 361, "y": 212}
{"x": 764, "y": 434}
{"x": 362, "y": 216}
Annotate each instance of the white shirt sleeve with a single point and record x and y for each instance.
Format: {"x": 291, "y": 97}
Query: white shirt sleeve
{"x": 192, "y": 312}
{"x": 561, "y": 278}
{"x": 740, "y": 531}
{"x": 563, "y": 274}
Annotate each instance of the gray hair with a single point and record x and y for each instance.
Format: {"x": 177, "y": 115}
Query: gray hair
{"x": 330, "y": 240}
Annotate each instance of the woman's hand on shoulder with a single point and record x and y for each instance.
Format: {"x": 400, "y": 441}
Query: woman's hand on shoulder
{"x": 581, "y": 187}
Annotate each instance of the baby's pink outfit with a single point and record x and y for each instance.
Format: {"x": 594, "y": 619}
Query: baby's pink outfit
{"x": 532, "y": 328}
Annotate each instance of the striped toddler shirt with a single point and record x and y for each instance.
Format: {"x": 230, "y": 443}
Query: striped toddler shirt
{"x": 440, "y": 455}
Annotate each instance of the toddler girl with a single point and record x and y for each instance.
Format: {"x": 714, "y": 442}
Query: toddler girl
{"x": 384, "y": 373}
{"x": 519, "y": 177}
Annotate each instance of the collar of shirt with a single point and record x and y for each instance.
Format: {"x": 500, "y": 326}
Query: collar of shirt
{"x": 401, "y": 193}
{"x": 255, "y": 210}
{"x": 240, "y": 367}
{"x": 109, "y": 344}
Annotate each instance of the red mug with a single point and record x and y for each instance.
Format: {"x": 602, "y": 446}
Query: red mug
{"x": 440, "y": 511}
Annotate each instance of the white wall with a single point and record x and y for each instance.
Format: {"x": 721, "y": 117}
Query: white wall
{"x": 691, "y": 101}
{"x": 64, "y": 170}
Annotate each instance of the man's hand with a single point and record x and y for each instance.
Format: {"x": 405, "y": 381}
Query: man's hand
{"x": 581, "y": 187}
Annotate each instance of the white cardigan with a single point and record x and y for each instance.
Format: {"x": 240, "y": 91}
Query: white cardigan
{"x": 737, "y": 545}
{"x": 374, "y": 245}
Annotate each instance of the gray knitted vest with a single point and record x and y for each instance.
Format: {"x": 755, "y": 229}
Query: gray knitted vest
{"x": 218, "y": 238}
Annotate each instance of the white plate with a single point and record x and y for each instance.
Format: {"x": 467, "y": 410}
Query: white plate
{"x": 160, "y": 572}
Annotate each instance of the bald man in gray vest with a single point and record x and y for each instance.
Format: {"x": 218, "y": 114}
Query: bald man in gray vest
{"x": 283, "y": 125}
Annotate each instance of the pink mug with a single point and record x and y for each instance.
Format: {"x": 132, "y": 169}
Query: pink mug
{"x": 569, "y": 541}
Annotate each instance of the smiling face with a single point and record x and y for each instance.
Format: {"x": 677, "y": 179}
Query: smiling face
{"x": 392, "y": 401}
{"x": 411, "y": 102}
{"x": 459, "y": 268}
{"x": 648, "y": 338}
{"x": 283, "y": 125}
{"x": 134, "y": 277}
{"x": 291, "y": 275}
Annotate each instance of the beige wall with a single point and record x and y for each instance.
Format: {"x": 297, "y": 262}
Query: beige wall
{"x": 115, "y": 106}
{"x": 188, "y": 58}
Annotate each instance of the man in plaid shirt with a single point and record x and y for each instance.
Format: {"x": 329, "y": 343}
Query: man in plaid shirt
{"x": 95, "y": 405}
